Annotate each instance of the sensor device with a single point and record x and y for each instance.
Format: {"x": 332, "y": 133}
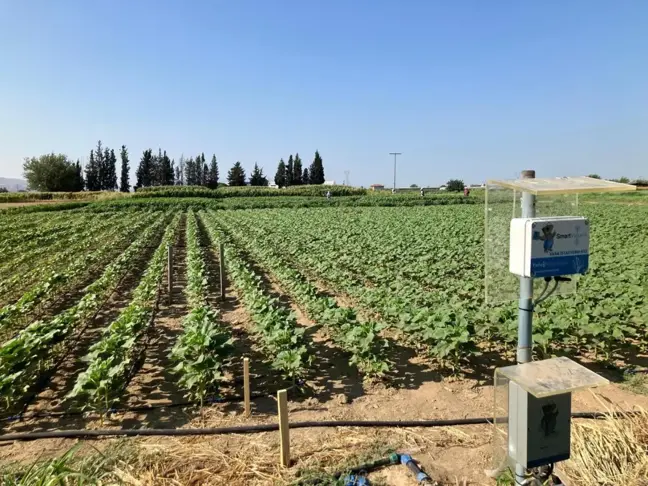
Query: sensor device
{"x": 549, "y": 247}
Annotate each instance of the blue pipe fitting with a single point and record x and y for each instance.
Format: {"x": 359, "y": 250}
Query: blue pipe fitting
{"x": 408, "y": 461}
{"x": 405, "y": 458}
{"x": 355, "y": 480}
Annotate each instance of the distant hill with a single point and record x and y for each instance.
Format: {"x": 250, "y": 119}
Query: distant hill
{"x": 13, "y": 185}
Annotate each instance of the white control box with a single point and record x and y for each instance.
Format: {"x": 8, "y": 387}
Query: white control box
{"x": 549, "y": 247}
{"x": 539, "y": 428}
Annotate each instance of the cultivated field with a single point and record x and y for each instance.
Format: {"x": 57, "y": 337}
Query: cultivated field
{"x": 361, "y": 312}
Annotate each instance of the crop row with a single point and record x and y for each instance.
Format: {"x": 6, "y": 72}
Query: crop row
{"x": 17, "y": 222}
{"x": 112, "y": 358}
{"x": 421, "y": 272}
{"x": 204, "y": 344}
{"x": 32, "y": 352}
{"x": 20, "y": 240}
{"x": 25, "y": 255}
{"x": 276, "y": 327}
{"x": 444, "y": 330}
{"x": 360, "y": 338}
{"x": 80, "y": 267}
{"x": 32, "y": 265}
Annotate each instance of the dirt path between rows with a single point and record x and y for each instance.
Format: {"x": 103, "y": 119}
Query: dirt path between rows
{"x": 154, "y": 383}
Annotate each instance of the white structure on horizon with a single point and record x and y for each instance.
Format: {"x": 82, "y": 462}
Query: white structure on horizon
{"x": 329, "y": 183}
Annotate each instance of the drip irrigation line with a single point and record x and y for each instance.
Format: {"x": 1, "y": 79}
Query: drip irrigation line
{"x": 251, "y": 429}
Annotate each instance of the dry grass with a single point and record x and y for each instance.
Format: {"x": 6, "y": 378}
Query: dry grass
{"x": 241, "y": 460}
{"x": 253, "y": 460}
{"x": 611, "y": 451}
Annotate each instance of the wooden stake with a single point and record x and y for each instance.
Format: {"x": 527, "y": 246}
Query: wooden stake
{"x": 221, "y": 259}
{"x": 284, "y": 432}
{"x": 246, "y": 385}
{"x": 170, "y": 270}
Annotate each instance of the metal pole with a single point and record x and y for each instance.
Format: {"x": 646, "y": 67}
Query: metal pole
{"x": 170, "y": 270}
{"x": 395, "y": 154}
{"x": 525, "y": 313}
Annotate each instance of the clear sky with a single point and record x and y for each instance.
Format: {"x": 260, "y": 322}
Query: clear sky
{"x": 466, "y": 89}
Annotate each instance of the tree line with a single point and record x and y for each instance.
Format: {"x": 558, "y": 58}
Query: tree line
{"x": 291, "y": 173}
{"x": 55, "y": 172}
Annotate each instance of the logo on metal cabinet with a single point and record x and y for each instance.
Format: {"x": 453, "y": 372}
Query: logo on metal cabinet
{"x": 549, "y": 419}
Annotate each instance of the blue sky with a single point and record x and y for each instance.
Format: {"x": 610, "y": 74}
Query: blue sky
{"x": 468, "y": 89}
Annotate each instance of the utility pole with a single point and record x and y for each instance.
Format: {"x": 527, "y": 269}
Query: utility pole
{"x": 395, "y": 154}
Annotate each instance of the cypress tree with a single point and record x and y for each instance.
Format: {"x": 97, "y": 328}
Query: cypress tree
{"x": 316, "y": 172}
{"x": 257, "y": 178}
{"x": 212, "y": 177}
{"x": 111, "y": 171}
{"x": 99, "y": 161}
{"x": 157, "y": 169}
{"x": 297, "y": 171}
{"x": 289, "y": 171}
{"x": 305, "y": 177}
{"x": 144, "y": 174}
{"x": 190, "y": 173}
{"x": 280, "y": 176}
{"x": 92, "y": 173}
{"x": 236, "y": 175}
{"x": 78, "y": 179}
{"x": 104, "y": 171}
{"x": 166, "y": 170}
{"x": 125, "y": 169}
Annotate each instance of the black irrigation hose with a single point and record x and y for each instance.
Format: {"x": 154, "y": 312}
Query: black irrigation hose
{"x": 250, "y": 429}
